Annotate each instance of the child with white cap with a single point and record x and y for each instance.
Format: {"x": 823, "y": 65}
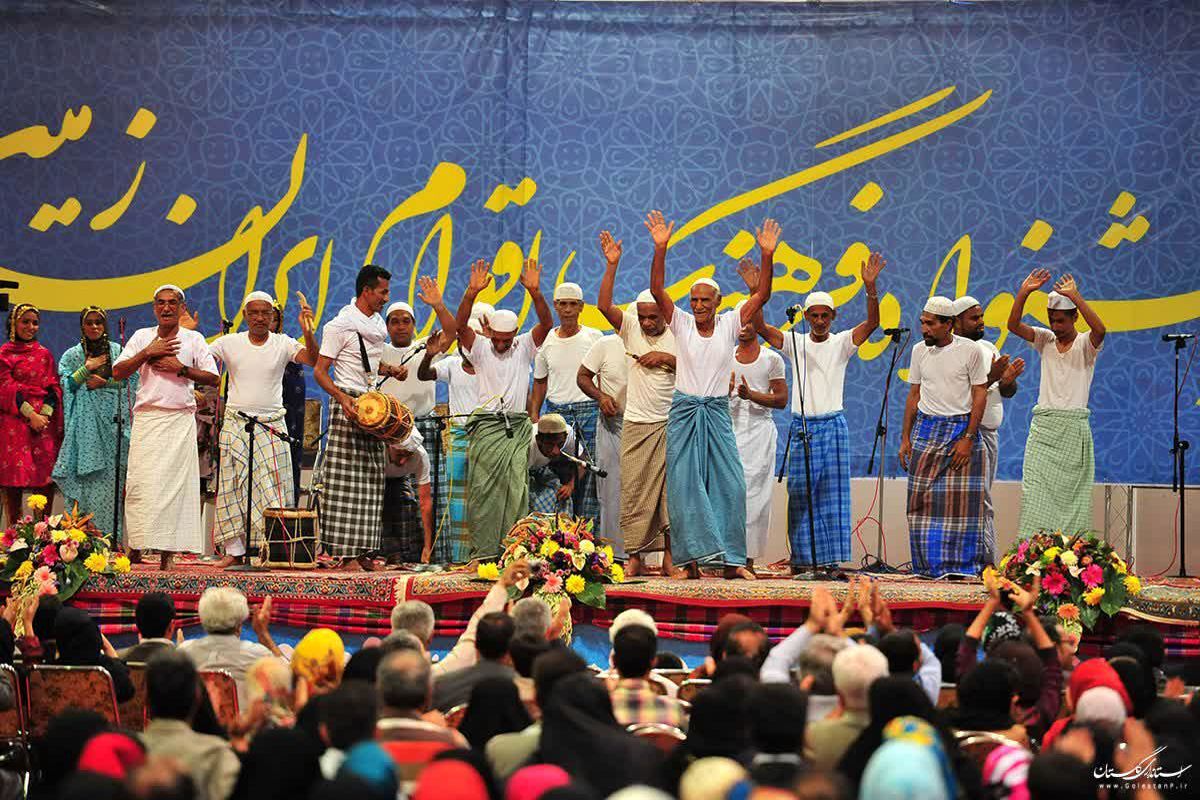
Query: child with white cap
{"x": 1056, "y": 480}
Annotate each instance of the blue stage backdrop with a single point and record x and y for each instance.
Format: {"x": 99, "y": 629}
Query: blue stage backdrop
{"x": 232, "y": 145}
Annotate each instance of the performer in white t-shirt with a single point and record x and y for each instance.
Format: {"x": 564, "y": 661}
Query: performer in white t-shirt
{"x": 498, "y": 458}
{"x": 706, "y": 489}
{"x": 255, "y": 361}
{"x": 1060, "y": 465}
{"x": 162, "y": 493}
{"x": 604, "y": 376}
{"x": 947, "y": 464}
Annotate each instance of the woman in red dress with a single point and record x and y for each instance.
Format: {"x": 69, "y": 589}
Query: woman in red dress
{"x": 31, "y": 428}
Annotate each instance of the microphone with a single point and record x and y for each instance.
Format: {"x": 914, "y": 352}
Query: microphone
{"x": 121, "y": 327}
{"x": 1177, "y": 337}
{"x": 589, "y": 466}
{"x": 270, "y": 428}
{"x": 413, "y": 352}
{"x": 895, "y": 331}
{"x": 792, "y": 311}
{"x": 508, "y": 431}
{"x": 226, "y": 325}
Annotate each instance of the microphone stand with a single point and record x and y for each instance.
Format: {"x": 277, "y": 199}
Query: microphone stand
{"x": 880, "y": 444}
{"x": 1179, "y": 448}
{"x": 119, "y": 420}
{"x": 251, "y": 421}
{"x": 814, "y": 573}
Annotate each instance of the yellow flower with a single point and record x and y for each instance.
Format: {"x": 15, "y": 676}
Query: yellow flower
{"x": 58, "y": 536}
{"x": 1068, "y": 558}
{"x": 618, "y": 573}
{"x": 548, "y": 548}
{"x": 488, "y": 571}
{"x": 1004, "y": 561}
{"x": 1094, "y": 596}
{"x": 587, "y": 547}
{"x": 121, "y": 563}
{"x": 1052, "y": 553}
{"x": 96, "y": 563}
{"x": 608, "y": 552}
{"x": 1133, "y": 585}
{"x": 77, "y": 536}
{"x": 1121, "y": 568}
{"x": 576, "y": 584}
{"x": 36, "y": 502}
{"x": 23, "y": 571}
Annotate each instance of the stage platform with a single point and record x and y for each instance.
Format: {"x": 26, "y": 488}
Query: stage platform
{"x": 360, "y": 602}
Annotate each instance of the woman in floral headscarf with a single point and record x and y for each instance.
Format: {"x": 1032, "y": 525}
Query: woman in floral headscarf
{"x": 911, "y": 764}
{"x": 31, "y": 427}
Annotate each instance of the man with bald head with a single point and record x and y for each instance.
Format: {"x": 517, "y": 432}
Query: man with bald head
{"x": 255, "y": 360}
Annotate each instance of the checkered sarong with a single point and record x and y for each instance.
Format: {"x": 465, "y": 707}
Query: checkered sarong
{"x": 272, "y": 477}
{"x": 352, "y": 474}
{"x": 946, "y": 506}
{"x": 431, "y": 431}
{"x": 451, "y": 528}
{"x": 1060, "y": 466}
{"x": 543, "y": 488}
{"x": 402, "y": 534}
{"x": 582, "y": 417}
{"x": 830, "y": 448}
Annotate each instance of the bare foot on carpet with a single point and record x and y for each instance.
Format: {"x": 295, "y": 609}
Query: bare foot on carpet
{"x": 732, "y": 573}
{"x": 166, "y": 561}
{"x": 633, "y": 567}
{"x": 227, "y": 561}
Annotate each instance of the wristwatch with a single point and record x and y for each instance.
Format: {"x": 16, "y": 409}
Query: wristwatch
{"x": 182, "y": 372}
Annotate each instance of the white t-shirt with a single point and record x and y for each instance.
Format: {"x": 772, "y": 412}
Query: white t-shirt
{"x": 463, "y": 387}
{"x": 607, "y": 361}
{"x": 255, "y": 371}
{"x": 1066, "y": 377}
{"x": 503, "y": 378}
{"x": 993, "y": 412}
{"x": 648, "y": 395}
{"x": 340, "y": 343}
{"x": 703, "y": 363}
{"x": 758, "y": 374}
{"x": 536, "y": 459}
{"x": 162, "y": 390}
{"x": 822, "y": 366}
{"x": 415, "y": 393}
{"x": 946, "y": 375}
{"x": 417, "y": 461}
{"x": 558, "y": 362}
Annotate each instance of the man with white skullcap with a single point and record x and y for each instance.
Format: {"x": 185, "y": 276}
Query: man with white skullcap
{"x": 649, "y": 347}
{"x": 1056, "y": 480}
{"x": 162, "y": 493}
{"x": 947, "y": 464}
{"x": 499, "y": 431}
{"x": 552, "y": 493}
{"x": 555, "y": 384}
{"x": 405, "y": 537}
{"x": 706, "y": 489}
{"x": 819, "y": 359}
{"x": 1002, "y": 384}
{"x": 255, "y": 361}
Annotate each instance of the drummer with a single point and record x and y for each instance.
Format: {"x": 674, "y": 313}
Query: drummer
{"x": 408, "y": 459}
{"x": 255, "y": 361}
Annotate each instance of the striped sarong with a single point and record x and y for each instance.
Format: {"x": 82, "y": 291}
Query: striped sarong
{"x": 452, "y": 530}
{"x": 272, "y": 478}
{"x": 352, "y": 476}
{"x": 431, "y": 431}
{"x": 706, "y": 489}
{"x": 497, "y": 478}
{"x": 644, "y": 516}
{"x": 830, "y": 449}
{"x": 946, "y": 526}
{"x": 608, "y": 489}
{"x": 582, "y": 417}
{"x": 1060, "y": 466}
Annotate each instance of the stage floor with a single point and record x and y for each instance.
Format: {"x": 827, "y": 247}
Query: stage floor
{"x": 361, "y": 602}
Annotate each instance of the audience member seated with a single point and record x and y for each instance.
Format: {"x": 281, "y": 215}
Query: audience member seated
{"x": 270, "y": 701}
{"x": 79, "y": 644}
{"x": 910, "y": 762}
{"x": 1066, "y": 643}
{"x": 1101, "y": 707}
{"x": 777, "y": 713}
{"x": 223, "y": 610}
{"x": 718, "y": 726}
{"x": 57, "y": 752}
{"x": 987, "y": 697}
{"x": 1149, "y": 640}
{"x": 531, "y": 617}
{"x": 154, "y": 616}
{"x": 317, "y": 663}
{"x": 711, "y": 778}
{"x": 523, "y": 650}
{"x": 405, "y": 685}
{"x": 1056, "y": 775}
{"x": 1089, "y": 674}
{"x": 716, "y": 645}
{"x": 281, "y": 764}
{"x": 348, "y": 716}
{"x": 854, "y": 670}
{"x": 38, "y": 647}
{"x": 492, "y": 636}
{"x": 634, "y": 701}
{"x": 494, "y": 708}
{"x": 635, "y": 616}
{"x": 667, "y": 660}
{"x": 173, "y": 691}
{"x": 368, "y": 773}
{"x": 1136, "y": 673}
{"x": 815, "y": 669}
{"x": 945, "y": 647}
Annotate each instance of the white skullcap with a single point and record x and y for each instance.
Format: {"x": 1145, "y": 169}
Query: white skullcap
{"x": 819, "y": 299}
{"x": 172, "y": 287}
{"x": 631, "y": 616}
{"x": 1101, "y": 706}
{"x": 1057, "y": 302}
{"x": 552, "y": 423}
{"x": 255, "y": 297}
{"x": 941, "y": 306}
{"x": 502, "y": 321}
{"x": 707, "y": 282}
{"x": 646, "y": 296}
{"x": 964, "y": 303}
{"x": 482, "y": 310}
{"x": 405, "y": 307}
{"x": 568, "y": 291}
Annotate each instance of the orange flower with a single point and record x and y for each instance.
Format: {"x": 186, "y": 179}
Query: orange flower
{"x": 1068, "y": 611}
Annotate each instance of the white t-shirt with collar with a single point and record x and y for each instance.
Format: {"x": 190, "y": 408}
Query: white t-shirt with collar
{"x": 703, "y": 363}
{"x": 1066, "y": 379}
{"x": 255, "y": 370}
{"x": 503, "y": 378}
{"x": 946, "y": 375}
{"x": 758, "y": 374}
{"x": 648, "y": 394}
{"x": 822, "y": 367}
{"x": 558, "y": 362}
{"x": 167, "y": 391}
{"x": 339, "y": 342}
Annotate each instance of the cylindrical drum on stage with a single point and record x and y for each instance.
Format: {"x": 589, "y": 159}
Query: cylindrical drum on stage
{"x": 291, "y": 536}
{"x": 383, "y": 416}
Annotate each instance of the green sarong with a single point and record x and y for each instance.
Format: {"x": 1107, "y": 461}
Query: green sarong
{"x": 1060, "y": 465}
{"x": 497, "y": 478}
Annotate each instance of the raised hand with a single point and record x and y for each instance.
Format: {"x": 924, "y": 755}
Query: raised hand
{"x": 871, "y": 269}
{"x": 749, "y": 271}
{"x": 999, "y": 367}
{"x": 768, "y": 235}
{"x": 429, "y": 292}
{"x": 1066, "y": 286}
{"x": 883, "y": 614}
{"x": 481, "y": 276}
{"x": 864, "y": 602}
{"x": 660, "y": 231}
{"x": 436, "y": 343}
{"x": 260, "y": 620}
{"x": 531, "y": 275}
{"x": 514, "y": 573}
{"x": 1015, "y": 368}
{"x": 188, "y": 320}
{"x": 1036, "y": 280}
{"x": 610, "y": 248}
{"x": 308, "y": 322}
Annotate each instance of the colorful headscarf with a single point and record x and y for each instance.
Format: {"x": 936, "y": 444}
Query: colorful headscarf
{"x": 371, "y": 764}
{"x": 320, "y": 658}
{"x": 908, "y": 774}
{"x": 112, "y": 754}
{"x": 1002, "y": 627}
{"x": 15, "y": 314}
{"x": 1008, "y": 766}
{"x": 450, "y": 779}
{"x": 100, "y": 346}
{"x": 530, "y": 783}
{"x": 269, "y": 681}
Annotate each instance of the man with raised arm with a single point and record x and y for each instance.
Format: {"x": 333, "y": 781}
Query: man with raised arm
{"x": 500, "y": 429}
{"x": 819, "y": 360}
{"x": 1056, "y": 480}
{"x": 649, "y": 347}
{"x": 706, "y": 490}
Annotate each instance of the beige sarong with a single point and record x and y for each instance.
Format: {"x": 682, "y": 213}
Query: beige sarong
{"x": 162, "y": 485}
{"x": 644, "y": 486}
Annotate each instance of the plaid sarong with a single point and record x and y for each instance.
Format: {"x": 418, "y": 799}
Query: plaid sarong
{"x": 431, "y": 432}
{"x": 543, "y": 487}
{"x": 497, "y": 478}
{"x": 1060, "y": 465}
{"x": 452, "y": 532}
{"x": 402, "y": 535}
{"x": 352, "y": 474}
{"x": 643, "y": 486}
{"x": 946, "y": 506}
{"x": 273, "y": 487}
{"x": 706, "y": 489}
{"x": 582, "y": 417}
{"x": 830, "y": 448}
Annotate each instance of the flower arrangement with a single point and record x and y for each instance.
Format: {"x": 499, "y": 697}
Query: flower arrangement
{"x": 54, "y": 554}
{"x": 1081, "y": 576}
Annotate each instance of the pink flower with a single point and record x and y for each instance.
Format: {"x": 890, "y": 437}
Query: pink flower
{"x": 41, "y": 528}
{"x": 1093, "y": 576}
{"x": 10, "y": 536}
{"x": 68, "y": 551}
{"x": 42, "y": 574}
{"x": 1022, "y": 548}
{"x": 553, "y": 584}
{"x": 48, "y": 587}
{"x": 1054, "y": 583}
{"x": 50, "y": 555}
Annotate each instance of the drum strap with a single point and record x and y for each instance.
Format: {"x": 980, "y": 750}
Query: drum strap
{"x": 366, "y": 362}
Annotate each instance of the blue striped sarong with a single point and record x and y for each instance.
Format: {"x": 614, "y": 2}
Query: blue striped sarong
{"x": 947, "y": 525}
{"x": 830, "y": 447}
{"x": 583, "y": 417}
{"x": 452, "y": 524}
{"x": 706, "y": 488}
